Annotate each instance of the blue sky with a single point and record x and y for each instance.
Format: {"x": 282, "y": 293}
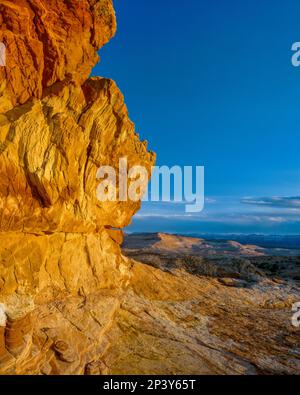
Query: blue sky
{"x": 210, "y": 82}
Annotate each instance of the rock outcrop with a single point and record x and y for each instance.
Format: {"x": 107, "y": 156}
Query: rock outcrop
{"x": 57, "y": 127}
{"x": 49, "y": 41}
{"x": 70, "y": 302}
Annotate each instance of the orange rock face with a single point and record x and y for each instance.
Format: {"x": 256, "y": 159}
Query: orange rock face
{"x": 51, "y": 150}
{"x": 51, "y": 40}
{"x": 57, "y": 127}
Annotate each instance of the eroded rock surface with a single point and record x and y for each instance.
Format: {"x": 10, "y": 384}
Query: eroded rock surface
{"x": 49, "y": 41}
{"x": 57, "y": 127}
{"x": 164, "y": 322}
{"x": 51, "y": 150}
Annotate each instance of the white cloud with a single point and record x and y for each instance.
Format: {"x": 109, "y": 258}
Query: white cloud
{"x": 292, "y": 202}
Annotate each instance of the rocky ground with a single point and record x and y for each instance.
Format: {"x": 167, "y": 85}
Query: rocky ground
{"x": 174, "y": 316}
{"x": 214, "y": 258}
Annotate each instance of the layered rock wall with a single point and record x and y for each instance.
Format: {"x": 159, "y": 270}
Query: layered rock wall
{"x": 57, "y": 127}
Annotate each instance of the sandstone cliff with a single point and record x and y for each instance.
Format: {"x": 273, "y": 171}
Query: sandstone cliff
{"x": 70, "y": 302}
{"x": 57, "y": 127}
